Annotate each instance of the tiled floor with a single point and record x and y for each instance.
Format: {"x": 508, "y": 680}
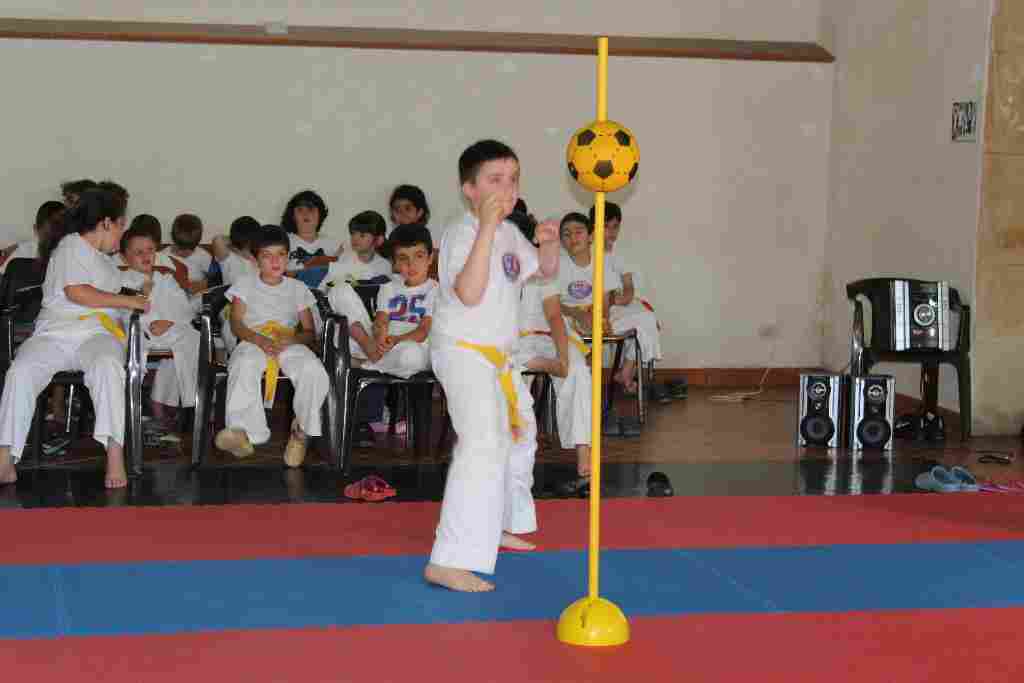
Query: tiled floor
{"x": 703, "y": 447}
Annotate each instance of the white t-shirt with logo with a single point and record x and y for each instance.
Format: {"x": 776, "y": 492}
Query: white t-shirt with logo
{"x": 76, "y": 262}
{"x": 406, "y": 306}
{"x": 576, "y": 283}
{"x": 350, "y": 266}
{"x": 495, "y": 320}
{"x": 280, "y": 303}
{"x": 302, "y": 251}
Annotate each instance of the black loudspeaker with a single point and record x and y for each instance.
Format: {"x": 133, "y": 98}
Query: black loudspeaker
{"x": 921, "y": 315}
{"x": 872, "y": 412}
{"x": 822, "y": 399}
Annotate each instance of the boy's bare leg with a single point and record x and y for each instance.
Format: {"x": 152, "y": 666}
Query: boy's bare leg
{"x": 625, "y": 376}
{"x": 8, "y": 474}
{"x": 456, "y": 579}
{"x": 117, "y": 477}
{"x": 583, "y": 459}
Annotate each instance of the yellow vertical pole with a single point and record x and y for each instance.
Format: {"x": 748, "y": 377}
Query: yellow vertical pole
{"x": 597, "y": 355}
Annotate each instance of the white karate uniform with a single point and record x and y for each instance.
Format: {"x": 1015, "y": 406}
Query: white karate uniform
{"x": 198, "y": 262}
{"x": 490, "y": 477}
{"x": 634, "y": 315}
{"x": 344, "y": 301}
{"x": 302, "y": 251}
{"x": 282, "y": 304}
{"x": 350, "y": 267}
{"x": 406, "y": 307}
{"x": 233, "y": 269}
{"x": 573, "y": 392}
{"x": 175, "y": 380}
{"x": 64, "y": 342}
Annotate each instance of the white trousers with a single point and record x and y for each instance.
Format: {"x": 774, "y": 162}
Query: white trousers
{"x": 635, "y": 316}
{"x": 344, "y": 301}
{"x": 572, "y": 393}
{"x": 245, "y": 394}
{"x": 175, "y": 380}
{"x": 404, "y": 360}
{"x": 97, "y": 354}
{"x": 491, "y": 476}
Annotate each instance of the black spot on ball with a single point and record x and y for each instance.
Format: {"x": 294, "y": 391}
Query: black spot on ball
{"x": 632, "y": 171}
{"x": 623, "y": 138}
{"x": 585, "y": 138}
{"x": 572, "y": 171}
{"x": 604, "y": 169}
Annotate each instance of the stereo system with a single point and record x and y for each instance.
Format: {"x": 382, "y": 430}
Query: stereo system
{"x": 839, "y": 410}
{"x": 921, "y": 315}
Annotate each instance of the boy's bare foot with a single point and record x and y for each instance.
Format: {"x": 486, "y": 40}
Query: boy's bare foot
{"x": 515, "y": 543}
{"x": 8, "y": 473}
{"x": 116, "y": 477}
{"x": 234, "y": 441}
{"x": 456, "y": 579}
{"x": 295, "y": 451}
{"x": 583, "y": 460}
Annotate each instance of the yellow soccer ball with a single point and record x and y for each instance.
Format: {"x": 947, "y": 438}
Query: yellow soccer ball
{"x": 603, "y": 156}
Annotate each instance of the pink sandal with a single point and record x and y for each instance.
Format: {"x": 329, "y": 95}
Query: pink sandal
{"x": 371, "y": 489}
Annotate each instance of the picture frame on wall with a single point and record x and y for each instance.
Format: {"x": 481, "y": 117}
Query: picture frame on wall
{"x": 965, "y": 121}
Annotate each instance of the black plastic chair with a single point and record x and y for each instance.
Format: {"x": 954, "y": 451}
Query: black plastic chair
{"x": 618, "y": 342}
{"x": 211, "y": 384}
{"x": 882, "y": 348}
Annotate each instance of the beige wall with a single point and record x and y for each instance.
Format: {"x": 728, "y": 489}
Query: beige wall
{"x": 727, "y": 220}
{"x": 903, "y": 198}
{"x": 741, "y": 19}
{"x": 999, "y": 328}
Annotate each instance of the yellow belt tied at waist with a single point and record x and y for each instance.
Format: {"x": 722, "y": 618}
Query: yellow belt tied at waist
{"x": 575, "y": 341}
{"x": 499, "y": 359}
{"x": 108, "y": 323}
{"x": 277, "y": 332}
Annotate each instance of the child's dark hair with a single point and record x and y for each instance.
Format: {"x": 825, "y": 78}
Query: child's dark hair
{"x": 478, "y": 154}
{"x": 244, "y": 230}
{"x": 410, "y": 235}
{"x": 414, "y": 196}
{"x": 304, "y": 198}
{"x": 575, "y": 217}
{"x": 76, "y": 187}
{"x": 47, "y": 212}
{"x": 612, "y": 212}
{"x": 368, "y": 221}
{"x": 111, "y": 186}
{"x": 270, "y": 236}
{"x": 134, "y": 232}
{"x": 151, "y": 225}
{"x": 93, "y": 207}
{"x": 187, "y": 231}
{"x": 526, "y": 223}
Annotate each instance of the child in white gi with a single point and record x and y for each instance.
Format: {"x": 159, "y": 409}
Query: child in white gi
{"x": 405, "y": 309}
{"x": 546, "y": 344}
{"x": 234, "y": 252}
{"x": 186, "y": 234}
{"x": 362, "y": 262}
{"x": 78, "y": 329}
{"x": 627, "y": 309}
{"x": 167, "y": 325}
{"x": 265, "y": 311}
{"x": 484, "y": 261}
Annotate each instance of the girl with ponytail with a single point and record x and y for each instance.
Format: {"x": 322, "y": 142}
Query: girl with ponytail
{"x": 78, "y": 329}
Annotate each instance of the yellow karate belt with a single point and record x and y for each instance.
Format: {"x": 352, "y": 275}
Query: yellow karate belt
{"x": 499, "y": 359}
{"x": 108, "y": 323}
{"x": 277, "y": 332}
{"x": 574, "y": 340}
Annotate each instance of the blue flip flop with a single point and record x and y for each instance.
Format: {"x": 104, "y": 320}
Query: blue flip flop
{"x": 964, "y": 477}
{"x": 937, "y": 479}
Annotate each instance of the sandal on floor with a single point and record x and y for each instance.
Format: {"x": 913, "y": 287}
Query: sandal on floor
{"x": 630, "y": 426}
{"x": 580, "y": 486}
{"x": 964, "y": 477}
{"x": 658, "y": 485}
{"x": 937, "y": 479}
{"x": 611, "y": 426}
{"x": 370, "y": 488}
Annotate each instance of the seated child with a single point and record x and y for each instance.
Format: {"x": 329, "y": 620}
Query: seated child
{"x": 408, "y": 204}
{"x": 362, "y": 262}
{"x": 272, "y": 317}
{"x": 303, "y": 218}
{"x": 77, "y": 329}
{"x": 234, "y": 253}
{"x": 402, "y": 323}
{"x": 48, "y": 214}
{"x": 547, "y": 345}
{"x": 167, "y": 325}
{"x": 186, "y": 234}
{"x": 628, "y": 309}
